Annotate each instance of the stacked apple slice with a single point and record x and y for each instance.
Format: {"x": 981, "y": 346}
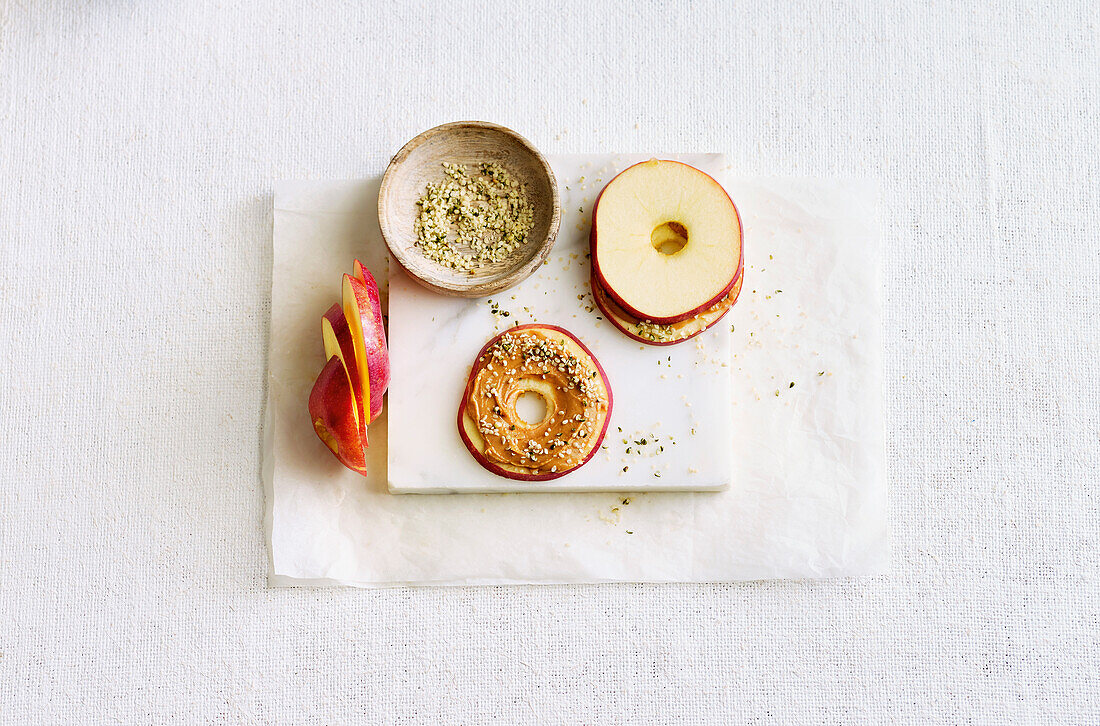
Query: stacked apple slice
{"x": 667, "y": 258}
{"x": 670, "y": 333}
{"x": 347, "y": 394}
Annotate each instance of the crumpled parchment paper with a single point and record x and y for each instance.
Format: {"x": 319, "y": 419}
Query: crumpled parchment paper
{"x": 809, "y": 498}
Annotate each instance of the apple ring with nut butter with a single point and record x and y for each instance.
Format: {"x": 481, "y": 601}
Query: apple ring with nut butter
{"x": 555, "y": 366}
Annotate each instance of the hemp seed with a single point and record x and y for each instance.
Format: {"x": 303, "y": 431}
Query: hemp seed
{"x": 488, "y": 214}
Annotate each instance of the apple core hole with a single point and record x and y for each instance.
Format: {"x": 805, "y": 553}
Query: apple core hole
{"x": 532, "y": 408}
{"x": 669, "y": 238}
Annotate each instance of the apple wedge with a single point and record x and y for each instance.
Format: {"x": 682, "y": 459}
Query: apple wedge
{"x": 360, "y": 272}
{"x": 332, "y": 409}
{"x": 666, "y": 241}
{"x": 553, "y": 364}
{"x": 669, "y": 334}
{"x": 337, "y": 339}
{"x": 363, "y": 312}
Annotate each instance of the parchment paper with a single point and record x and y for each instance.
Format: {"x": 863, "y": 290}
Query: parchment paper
{"x": 810, "y": 492}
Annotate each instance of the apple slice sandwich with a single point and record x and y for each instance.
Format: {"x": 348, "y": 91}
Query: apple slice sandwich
{"x": 666, "y": 246}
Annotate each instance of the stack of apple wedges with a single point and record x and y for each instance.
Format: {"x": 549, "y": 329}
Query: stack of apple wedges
{"x": 347, "y": 395}
{"x": 667, "y": 257}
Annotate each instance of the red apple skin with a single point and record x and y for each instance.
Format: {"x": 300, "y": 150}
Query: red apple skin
{"x": 598, "y": 293}
{"x": 593, "y": 243}
{"x": 334, "y": 420}
{"x": 377, "y": 361}
{"x": 335, "y": 320}
{"x": 501, "y": 471}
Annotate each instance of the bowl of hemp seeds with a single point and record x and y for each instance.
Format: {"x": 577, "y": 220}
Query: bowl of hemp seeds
{"x": 469, "y": 208}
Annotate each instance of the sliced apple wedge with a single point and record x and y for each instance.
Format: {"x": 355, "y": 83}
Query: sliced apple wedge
{"x": 337, "y": 339}
{"x": 666, "y": 241}
{"x": 332, "y": 409}
{"x": 363, "y": 311}
{"x": 360, "y": 272}
{"x": 378, "y": 353}
{"x": 668, "y": 334}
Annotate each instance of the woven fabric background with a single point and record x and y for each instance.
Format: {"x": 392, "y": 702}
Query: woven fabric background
{"x": 139, "y": 145}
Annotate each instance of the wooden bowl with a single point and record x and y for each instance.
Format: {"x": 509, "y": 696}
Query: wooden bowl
{"x": 466, "y": 142}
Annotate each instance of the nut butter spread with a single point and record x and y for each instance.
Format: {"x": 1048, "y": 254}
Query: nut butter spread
{"x": 670, "y": 332}
{"x": 531, "y": 360}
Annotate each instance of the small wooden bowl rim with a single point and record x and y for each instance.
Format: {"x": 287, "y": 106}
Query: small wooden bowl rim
{"x": 505, "y": 279}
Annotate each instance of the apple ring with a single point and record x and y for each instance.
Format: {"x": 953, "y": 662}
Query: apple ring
{"x": 553, "y": 364}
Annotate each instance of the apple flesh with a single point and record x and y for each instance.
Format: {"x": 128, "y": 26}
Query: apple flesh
{"x": 363, "y": 312}
{"x": 332, "y": 409}
{"x": 676, "y": 332}
{"x": 666, "y": 241}
{"x": 472, "y": 437}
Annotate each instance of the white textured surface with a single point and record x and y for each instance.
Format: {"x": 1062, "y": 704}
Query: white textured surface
{"x": 434, "y": 340}
{"x": 140, "y": 143}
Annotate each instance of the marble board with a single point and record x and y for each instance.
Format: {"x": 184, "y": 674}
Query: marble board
{"x": 677, "y": 399}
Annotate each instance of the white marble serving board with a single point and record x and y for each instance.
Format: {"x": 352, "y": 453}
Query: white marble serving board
{"x": 676, "y": 398}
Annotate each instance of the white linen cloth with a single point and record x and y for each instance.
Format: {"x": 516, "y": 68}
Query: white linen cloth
{"x": 139, "y": 148}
